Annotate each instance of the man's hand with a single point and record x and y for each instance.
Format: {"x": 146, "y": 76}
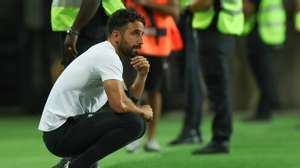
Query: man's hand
{"x": 70, "y": 50}
{"x": 147, "y": 112}
{"x": 141, "y": 65}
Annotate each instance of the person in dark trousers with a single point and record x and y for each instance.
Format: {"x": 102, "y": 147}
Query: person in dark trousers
{"x": 161, "y": 38}
{"x": 76, "y": 122}
{"x": 217, "y": 23}
{"x": 265, "y": 29}
{"x": 190, "y": 133}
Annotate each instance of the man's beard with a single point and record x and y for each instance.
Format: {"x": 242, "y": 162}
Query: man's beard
{"x": 129, "y": 51}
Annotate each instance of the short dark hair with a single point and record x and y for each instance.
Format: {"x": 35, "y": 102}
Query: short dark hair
{"x": 121, "y": 18}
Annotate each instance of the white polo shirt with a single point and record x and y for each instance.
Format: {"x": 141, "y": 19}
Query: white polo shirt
{"x": 79, "y": 88}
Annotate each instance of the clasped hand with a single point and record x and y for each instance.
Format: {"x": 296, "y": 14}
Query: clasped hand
{"x": 141, "y": 65}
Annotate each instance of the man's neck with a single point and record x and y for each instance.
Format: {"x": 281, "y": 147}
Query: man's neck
{"x": 114, "y": 44}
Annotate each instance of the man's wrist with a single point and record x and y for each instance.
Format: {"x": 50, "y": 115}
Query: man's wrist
{"x": 135, "y": 100}
{"x": 142, "y": 76}
{"x": 72, "y": 31}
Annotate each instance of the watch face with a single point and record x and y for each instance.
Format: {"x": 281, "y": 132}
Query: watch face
{"x": 70, "y": 31}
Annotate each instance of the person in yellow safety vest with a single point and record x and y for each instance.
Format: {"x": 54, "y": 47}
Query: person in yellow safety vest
{"x": 265, "y": 29}
{"x": 82, "y": 23}
{"x": 160, "y": 39}
{"x": 297, "y": 15}
{"x": 217, "y": 23}
{"x": 189, "y": 56}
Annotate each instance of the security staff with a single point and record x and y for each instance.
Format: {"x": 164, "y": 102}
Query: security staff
{"x": 217, "y": 23}
{"x": 265, "y": 29}
{"x": 190, "y": 132}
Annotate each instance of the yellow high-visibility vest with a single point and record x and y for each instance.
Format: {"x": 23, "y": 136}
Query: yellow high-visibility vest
{"x": 230, "y": 17}
{"x": 64, "y": 12}
{"x": 271, "y": 20}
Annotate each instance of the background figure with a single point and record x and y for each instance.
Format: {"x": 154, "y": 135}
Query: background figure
{"x": 77, "y": 121}
{"x": 216, "y": 22}
{"x": 81, "y": 25}
{"x": 161, "y": 37}
{"x": 190, "y": 132}
{"x": 265, "y": 29}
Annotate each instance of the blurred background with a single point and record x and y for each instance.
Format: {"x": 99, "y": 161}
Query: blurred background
{"x": 30, "y": 63}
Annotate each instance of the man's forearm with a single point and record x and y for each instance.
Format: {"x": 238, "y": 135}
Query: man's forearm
{"x": 87, "y": 10}
{"x": 129, "y": 106}
{"x": 145, "y": 111}
{"x": 137, "y": 88}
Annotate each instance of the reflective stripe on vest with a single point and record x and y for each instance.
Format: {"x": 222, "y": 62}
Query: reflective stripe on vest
{"x": 271, "y": 22}
{"x": 230, "y": 19}
{"x": 64, "y": 12}
{"x": 297, "y": 21}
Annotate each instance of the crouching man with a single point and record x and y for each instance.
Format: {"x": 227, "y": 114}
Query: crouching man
{"x": 77, "y": 121}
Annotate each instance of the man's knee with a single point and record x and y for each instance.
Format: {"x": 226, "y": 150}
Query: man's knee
{"x": 135, "y": 124}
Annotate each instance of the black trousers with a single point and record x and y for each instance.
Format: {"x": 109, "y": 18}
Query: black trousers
{"x": 214, "y": 51}
{"x": 87, "y": 139}
{"x": 260, "y": 57}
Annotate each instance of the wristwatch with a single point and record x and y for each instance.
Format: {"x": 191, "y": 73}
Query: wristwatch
{"x": 71, "y": 31}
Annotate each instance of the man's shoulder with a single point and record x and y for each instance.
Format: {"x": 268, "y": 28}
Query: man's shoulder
{"x": 104, "y": 48}
{"x": 104, "y": 53}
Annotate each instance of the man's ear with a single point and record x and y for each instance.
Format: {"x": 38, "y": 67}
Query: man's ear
{"x": 116, "y": 35}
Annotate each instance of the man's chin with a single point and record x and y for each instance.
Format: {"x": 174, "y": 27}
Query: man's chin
{"x": 134, "y": 54}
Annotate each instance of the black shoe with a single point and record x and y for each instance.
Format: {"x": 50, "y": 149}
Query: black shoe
{"x": 187, "y": 137}
{"x": 213, "y": 148}
{"x": 64, "y": 161}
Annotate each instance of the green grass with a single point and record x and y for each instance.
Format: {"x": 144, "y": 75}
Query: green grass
{"x": 273, "y": 144}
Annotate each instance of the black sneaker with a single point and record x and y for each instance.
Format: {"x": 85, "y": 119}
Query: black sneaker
{"x": 213, "y": 148}
{"x": 66, "y": 161}
{"x": 187, "y": 137}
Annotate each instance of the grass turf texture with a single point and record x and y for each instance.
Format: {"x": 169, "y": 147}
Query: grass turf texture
{"x": 274, "y": 144}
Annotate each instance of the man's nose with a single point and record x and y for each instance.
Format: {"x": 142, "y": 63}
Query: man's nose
{"x": 140, "y": 40}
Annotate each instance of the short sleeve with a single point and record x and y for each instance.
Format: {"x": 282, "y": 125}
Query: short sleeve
{"x": 110, "y": 67}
